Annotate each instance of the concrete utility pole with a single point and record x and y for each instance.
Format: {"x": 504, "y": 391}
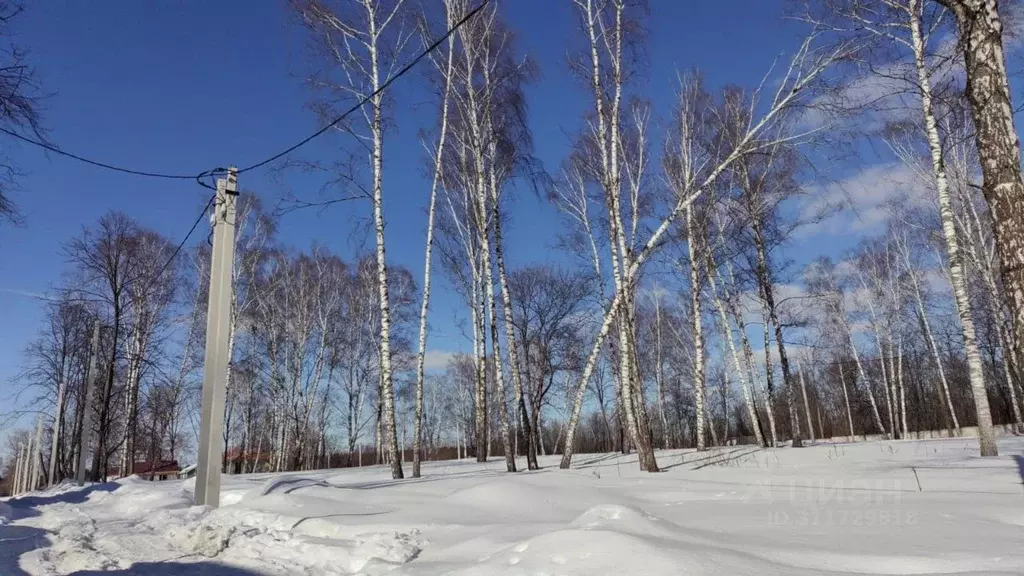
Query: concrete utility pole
{"x": 90, "y": 388}
{"x": 57, "y": 417}
{"x": 36, "y": 455}
{"x": 23, "y": 476}
{"x": 216, "y": 363}
{"x": 23, "y": 473}
{"x": 26, "y": 464}
{"x": 16, "y": 481}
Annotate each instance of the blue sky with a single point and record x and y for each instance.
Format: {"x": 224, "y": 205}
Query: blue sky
{"x": 186, "y": 86}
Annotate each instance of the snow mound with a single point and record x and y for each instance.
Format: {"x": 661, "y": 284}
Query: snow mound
{"x": 622, "y": 519}
{"x": 509, "y": 498}
{"x": 582, "y": 551}
{"x": 369, "y": 553}
{"x": 201, "y": 539}
{"x": 856, "y": 509}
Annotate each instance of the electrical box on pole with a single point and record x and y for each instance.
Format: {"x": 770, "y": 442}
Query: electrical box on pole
{"x": 218, "y": 323}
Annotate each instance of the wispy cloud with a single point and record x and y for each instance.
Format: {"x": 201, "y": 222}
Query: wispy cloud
{"x": 27, "y": 294}
{"x": 437, "y": 359}
{"x": 862, "y": 199}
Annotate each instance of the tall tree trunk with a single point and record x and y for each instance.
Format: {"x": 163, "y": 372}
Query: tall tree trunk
{"x": 132, "y": 392}
{"x": 997, "y": 304}
{"x": 926, "y": 326}
{"x": 902, "y": 390}
{"x": 387, "y": 392}
{"x": 982, "y": 83}
{"x": 510, "y": 337}
{"x": 480, "y": 365}
{"x": 99, "y": 458}
{"x": 727, "y": 336}
{"x": 988, "y": 90}
{"x": 425, "y": 304}
{"x": 699, "y": 385}
{"x": 581, "y": 387}
{"x": 846, "y": 399}
{"x": 659, "y": 370}
{"x": 768, "y": 294}
{"x": 860, "y": 371}
{"x": 499, "y": 374}
{"x": 807, "y": 405}
{"x": 769, "y": 371}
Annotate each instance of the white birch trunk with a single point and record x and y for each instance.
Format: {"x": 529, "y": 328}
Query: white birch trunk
{"x": 807, "y": 405}
{"x": 803, "y": 69}
{"x": 513, "y": 353}
{"x": 390, "y": 429}
{"x": 425, "y": 304}
{"x": 986, "y": 435}
{"x": 499, "y": 374}
{"x": 581, "y": 387}
{"x": 864, "y": 378}
{"x": 727, "y": 336}
{"x": 659, "y": 372}
{"x": 768, "y": 370}
{"x": 932, "y": 345}
{"x": 902, "y": 389}
{"x": 846, "y": 400}
{"x": 977, "y": 245}
{"x": 699, "y": 385}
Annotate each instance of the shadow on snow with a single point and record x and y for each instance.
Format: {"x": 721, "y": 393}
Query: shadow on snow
{"x": 172, "y": 569}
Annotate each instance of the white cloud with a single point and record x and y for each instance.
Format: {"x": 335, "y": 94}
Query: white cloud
{"x": 437, "y": 359}
{"x": 789, "y": 299}
{"x": 860, "y": 203}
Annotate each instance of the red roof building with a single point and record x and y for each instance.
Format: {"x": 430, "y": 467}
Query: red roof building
{"x": 159, "y": 470}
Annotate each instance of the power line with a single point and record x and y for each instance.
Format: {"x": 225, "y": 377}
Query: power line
{"x": 216, "y": 171}
{"x": 184, "y": 240}
{"x": 159, "y": 273}
{"x": 109, "y": 166}
{"x": 433, "y": 46}
{"x": 112, "y": 167}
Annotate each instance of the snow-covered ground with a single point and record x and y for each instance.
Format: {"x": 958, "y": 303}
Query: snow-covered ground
{"x": 911, "y": 507}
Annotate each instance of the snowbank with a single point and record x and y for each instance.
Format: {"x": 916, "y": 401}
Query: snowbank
{"x": 905, "y": 507}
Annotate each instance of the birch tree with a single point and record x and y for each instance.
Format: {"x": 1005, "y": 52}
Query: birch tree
{"x": 149, "y": 298}
{"x": 57, "y": 359}
{"x": 980, "y": 27}
{"x": 904, "y": 248}
{"x": 446, "y": 65}
{"x": 106, "y": 268}
{"x": 727, "y": 335}
{"x": 919, "y": 40}
{"x": 910, "y": 28}
{"x": 797, "y": 81}
{"x": 822, "y": 282}
{"x": 974, "y": 223}
{"x": 363, "y": 43}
